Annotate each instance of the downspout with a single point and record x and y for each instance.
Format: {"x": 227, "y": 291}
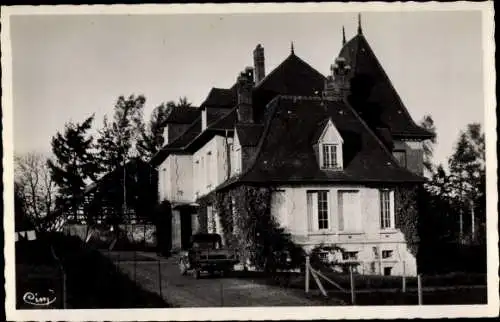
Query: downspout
{"x": 228, "y": 159}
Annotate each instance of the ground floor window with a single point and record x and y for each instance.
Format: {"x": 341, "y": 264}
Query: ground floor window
{"x": 317, "y": 205}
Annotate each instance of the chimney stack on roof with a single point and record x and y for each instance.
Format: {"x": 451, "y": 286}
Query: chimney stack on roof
{"x": 337, "y": 85}
{"x": 258, "y": 62}
{"x": 245, "y": 84}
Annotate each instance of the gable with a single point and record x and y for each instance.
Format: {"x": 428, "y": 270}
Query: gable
{"x": 330, "y": 134}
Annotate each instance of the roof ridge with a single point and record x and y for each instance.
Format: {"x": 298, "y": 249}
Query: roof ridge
{"x": 301, "y": 97}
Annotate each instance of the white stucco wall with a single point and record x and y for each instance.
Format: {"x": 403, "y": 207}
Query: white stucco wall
{"x": 176, "y": 178}
{"x": 290, "y": 209}
{"x": 210, "y": 166}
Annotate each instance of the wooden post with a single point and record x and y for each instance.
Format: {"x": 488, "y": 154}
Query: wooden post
{"x": 404, "y": 277}
{"x": 353, "y": 295}
{"x": 307, "y": 273}
{"x": 473, "y": 220}
{"x": 159, "y": 278}
{"x": 318, "y": 282}
{"x": 221, "y": 293}
{"x": 419, "y": 285}
{"x": 135, "y": 267}
{"x": 64, "y": 289}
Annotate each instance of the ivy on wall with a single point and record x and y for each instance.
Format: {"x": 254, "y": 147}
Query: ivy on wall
{"x": 406, "y": 212}
{"x": 248, "y": 226}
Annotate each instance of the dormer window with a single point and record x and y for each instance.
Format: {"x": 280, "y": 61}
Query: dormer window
{"x": 330, "y": 156}
{"x": 330, "y": 148}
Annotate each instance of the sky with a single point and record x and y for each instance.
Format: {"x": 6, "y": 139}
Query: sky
{"x": 68, "y": 67}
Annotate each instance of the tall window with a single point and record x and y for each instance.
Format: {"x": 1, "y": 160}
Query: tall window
{"x": 330, "y": 156}
{"x": 317, "y": 204}
{"x": 385, "y": 210}
{"x": 400, "y": 156}
{"x": 349, "y": 211}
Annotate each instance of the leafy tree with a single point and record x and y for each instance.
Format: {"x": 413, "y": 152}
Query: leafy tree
{"x": 117, "y": 139}
{"x": 428, "y": 145}
{"x": 75, "y": 164}
{"x": 468, "y": 174}
{"x": 35, "y": 190}
{"x": 152, "y": 139}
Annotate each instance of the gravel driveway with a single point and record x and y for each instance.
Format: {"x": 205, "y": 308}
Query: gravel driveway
{"x": 208, "y": 291}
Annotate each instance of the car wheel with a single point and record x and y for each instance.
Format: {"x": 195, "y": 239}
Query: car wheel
{"x": 182, "y": 267}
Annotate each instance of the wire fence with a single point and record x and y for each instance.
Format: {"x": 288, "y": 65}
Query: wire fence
{"x": 362, "y": 289}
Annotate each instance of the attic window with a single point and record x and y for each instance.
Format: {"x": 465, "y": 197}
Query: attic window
{"x": 330, "y": 148}
{"x": 330, "y": 160}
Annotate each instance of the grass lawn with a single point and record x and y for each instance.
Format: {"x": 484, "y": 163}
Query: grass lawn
{"x": 94, "y": 282}
{"x": 455, "y": 288}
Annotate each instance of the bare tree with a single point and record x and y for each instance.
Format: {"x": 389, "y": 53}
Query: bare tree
{"x": 36, "y": 187}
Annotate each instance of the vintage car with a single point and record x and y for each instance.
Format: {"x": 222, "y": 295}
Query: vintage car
{"x": 206, "y": 254}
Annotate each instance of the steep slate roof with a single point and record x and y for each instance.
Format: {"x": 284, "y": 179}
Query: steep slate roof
{"x": 179, "y": 143}
{"x": 221, "y": 97}
{"x": 226, "y": 122}
{"x": 286, "y": 150}
{"x": 373, "y": 94}
{"x": 293, "y": 76}
{"x": 249, "y": 134}
{"x": 182, "y": 115}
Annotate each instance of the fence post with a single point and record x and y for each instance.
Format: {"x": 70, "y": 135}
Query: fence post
{"x": 404, "y": 277}
{"x": 159, "y": 277}
{"x": 419, "y": 285}
{"x": 221, "y": 293}
{"x": 307, "y": 273}
{"x": 135, "y": 266}
{"x": 64, "y": 288}
{"x": 353, "y": 295}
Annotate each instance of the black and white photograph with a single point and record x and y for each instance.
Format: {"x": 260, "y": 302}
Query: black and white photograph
{"x": 232, "y": 161}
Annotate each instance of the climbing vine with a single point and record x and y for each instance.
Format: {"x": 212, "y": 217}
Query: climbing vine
{"x": 249, "y": 227}
{"x": 407, "y": 215}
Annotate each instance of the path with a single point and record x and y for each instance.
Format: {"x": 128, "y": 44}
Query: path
{"x": 185, "y": 291}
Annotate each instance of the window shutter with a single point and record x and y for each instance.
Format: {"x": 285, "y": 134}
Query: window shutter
{"x": 341, "y": 210}
{"x": 314, "y": 208}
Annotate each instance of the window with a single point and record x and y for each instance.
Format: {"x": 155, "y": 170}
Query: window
{"x": 387, "y": 271}
{"x": 329, "y": 148}
{"x": 349, "y": 256}
{"x": 317, "y": 205}
{"x": 208, "y": 173}
{"x": 400, "y": 156}
{"x": 386, "y": 253}
{"x": 386, "y": 221}
{"x": 349, "y": 211}
{"x": 330, "y": 156}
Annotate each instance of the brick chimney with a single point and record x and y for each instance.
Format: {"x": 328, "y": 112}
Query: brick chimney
{"x": 244, "y": 87}
{"x": 337, "y": 85}
{"x": 258, "y": 63}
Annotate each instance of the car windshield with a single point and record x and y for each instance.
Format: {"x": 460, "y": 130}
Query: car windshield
{"x": 208, "y": 241}
{"x": 205, "y": 244}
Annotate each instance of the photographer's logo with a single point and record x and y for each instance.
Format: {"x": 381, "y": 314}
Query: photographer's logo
{"x": 38, "y": 299}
